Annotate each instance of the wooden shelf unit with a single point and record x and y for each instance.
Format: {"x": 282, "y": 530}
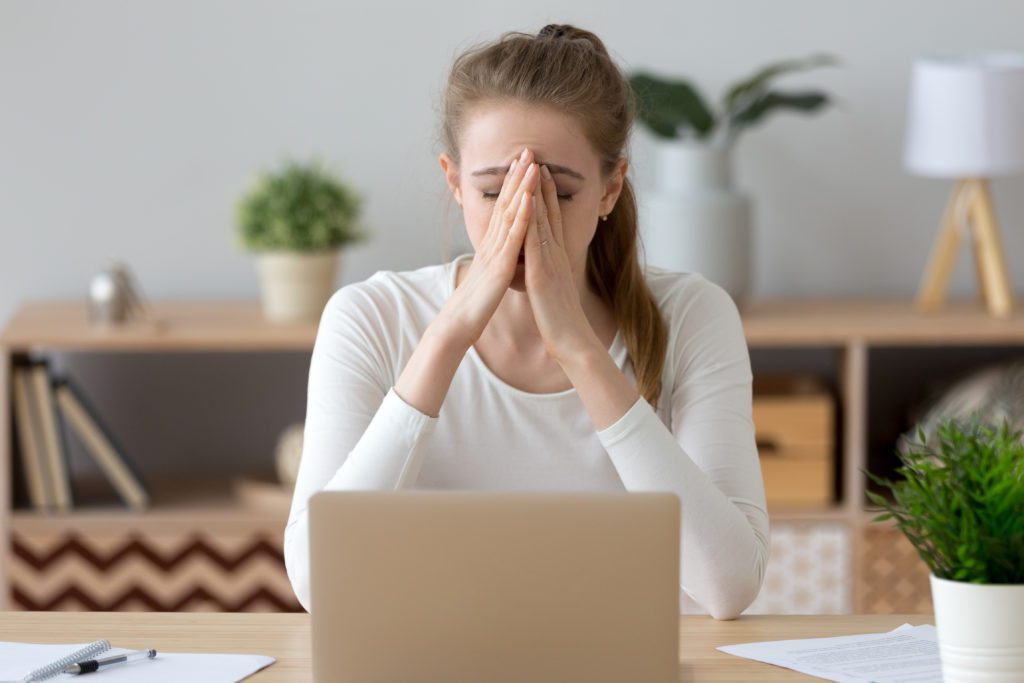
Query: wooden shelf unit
{"x": 198, "y": 514}
{"x": 884, "y": 571}
{"x": 850, "y": 328}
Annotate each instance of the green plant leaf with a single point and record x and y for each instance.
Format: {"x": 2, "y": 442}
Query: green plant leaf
{"x": 668, "y": 107}
{"x": 299, "y": 207}
{"x": 961, "y": 505}
{"x": 757, "y": 82}
{"x": 757, "y": 109}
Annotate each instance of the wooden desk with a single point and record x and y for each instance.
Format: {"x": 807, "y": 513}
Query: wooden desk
{"x": 286, "y": 637}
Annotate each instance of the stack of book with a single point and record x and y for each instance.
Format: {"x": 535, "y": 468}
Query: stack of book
{"x": 42, "y": 403}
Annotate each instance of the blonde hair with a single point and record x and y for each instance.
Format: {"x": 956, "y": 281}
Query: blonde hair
{"x": 569, "y": 69}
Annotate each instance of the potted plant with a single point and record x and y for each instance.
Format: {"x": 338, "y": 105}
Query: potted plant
{"x": 695, "y": 219}
{"x": 962, "y": 507}
{"x": 295, "y": 219}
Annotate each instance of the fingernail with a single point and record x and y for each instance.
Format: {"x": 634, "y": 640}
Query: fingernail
{"x": 522, "y": 157}
{"x": 512, "y": 166}
{"x": 529, "y": 171}
{"x": 545, "y": 171}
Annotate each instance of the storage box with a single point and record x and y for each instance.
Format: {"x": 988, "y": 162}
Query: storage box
{"x": 794, "y": 424}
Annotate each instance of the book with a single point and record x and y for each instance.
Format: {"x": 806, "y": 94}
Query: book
{"x": 52, "y": 438}
{"x": 29, "y": 439}
{"x": 100, "y": 444}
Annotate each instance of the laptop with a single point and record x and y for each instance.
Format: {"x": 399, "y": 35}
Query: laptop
{"x": 470, "y": 586}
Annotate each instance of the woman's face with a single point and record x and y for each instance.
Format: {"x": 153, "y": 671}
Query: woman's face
{"x": 497, "y": 134}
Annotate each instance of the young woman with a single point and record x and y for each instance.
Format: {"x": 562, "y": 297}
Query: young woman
{"x": 547, "y": 358}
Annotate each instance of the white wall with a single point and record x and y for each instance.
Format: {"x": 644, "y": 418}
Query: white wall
{"x": 129, "y": 129}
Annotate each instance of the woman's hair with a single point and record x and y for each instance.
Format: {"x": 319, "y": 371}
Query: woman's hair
{"x": 569, "y": 70}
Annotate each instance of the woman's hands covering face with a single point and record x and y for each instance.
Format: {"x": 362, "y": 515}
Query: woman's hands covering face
{"x": 487, "y": 279}
{"x": 550, "y": 282}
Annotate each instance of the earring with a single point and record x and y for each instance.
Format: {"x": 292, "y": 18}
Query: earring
{"x": 604, "y": 217}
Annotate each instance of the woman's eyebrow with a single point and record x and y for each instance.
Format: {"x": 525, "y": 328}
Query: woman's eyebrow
{"x": 554, "y": 168}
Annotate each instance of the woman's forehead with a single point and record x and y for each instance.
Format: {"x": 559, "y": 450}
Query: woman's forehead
{"x": 496, "y": 135}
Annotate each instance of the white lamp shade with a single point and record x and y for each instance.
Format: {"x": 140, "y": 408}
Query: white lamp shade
{"x": 965, "y": 117}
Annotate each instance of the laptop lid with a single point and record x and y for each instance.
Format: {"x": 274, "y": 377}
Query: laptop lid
{"x": 453, "y": 586}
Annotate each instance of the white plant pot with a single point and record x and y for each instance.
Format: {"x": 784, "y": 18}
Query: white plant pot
{"x": 694, "y": 220}
{"x": 981, "y": 631}
{"x": 296, "y": 285}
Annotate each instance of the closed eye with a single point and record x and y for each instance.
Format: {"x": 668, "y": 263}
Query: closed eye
{"x": 491, "y": 196}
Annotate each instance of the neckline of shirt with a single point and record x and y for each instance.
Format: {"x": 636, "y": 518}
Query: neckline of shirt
{"x": 616, "y": 350}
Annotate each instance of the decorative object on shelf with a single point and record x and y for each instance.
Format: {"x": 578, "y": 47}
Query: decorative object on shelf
{"x": 695, "y": 220}
{"x": 115, "y": 296}
{"x": 288, "y": 454}
{"x": 962, "y": 507}
{"x": 995, "y": 393}
{"x": 965, "y": 120}
{"x": 296, "y": 219}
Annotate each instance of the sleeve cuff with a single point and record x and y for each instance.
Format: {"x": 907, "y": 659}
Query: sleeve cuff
{"x": 407, "y": 418}
{"x": 625, "y": 425}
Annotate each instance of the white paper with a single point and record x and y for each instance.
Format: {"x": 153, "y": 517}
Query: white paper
{"x": 908, "y": 654}
{"x": 18, "y": 659}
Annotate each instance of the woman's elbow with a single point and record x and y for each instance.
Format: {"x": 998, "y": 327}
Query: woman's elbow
{"x": 735, "y": 595}
{"x": 729, "y": 604}
{"x": 726, "y": 599}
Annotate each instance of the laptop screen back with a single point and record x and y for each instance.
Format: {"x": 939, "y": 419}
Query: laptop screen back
{"x": 494, "y": 586}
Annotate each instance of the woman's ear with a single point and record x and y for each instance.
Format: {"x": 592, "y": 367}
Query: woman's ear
{"x": 613, "y": 187}
{"x": 451, "y": 176}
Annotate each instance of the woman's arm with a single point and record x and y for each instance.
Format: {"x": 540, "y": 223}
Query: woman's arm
{"x": 710, "y": 461}
{"x": 361, "y": 433}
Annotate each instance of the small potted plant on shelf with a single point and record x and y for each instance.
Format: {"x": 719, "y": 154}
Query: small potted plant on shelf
{"x": 696, "y": 220}
{"x": 961, "y": 505}
{"x": 296, "y": 219}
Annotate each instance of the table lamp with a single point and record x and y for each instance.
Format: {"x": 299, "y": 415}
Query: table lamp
{"x": 965, "y": 120}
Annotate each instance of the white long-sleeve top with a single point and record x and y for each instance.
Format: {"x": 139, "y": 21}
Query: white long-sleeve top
{"x": 699, "y": 444}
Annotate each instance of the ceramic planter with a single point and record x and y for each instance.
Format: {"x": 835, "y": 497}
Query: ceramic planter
{"x": 694, "y": 220}
{"x": 981, "y": 630}
{"x": 295, "y": 285}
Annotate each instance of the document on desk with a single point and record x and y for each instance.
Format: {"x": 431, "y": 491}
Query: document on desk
{"x": 18, "y": 659}
{"x": 908, "y": 654}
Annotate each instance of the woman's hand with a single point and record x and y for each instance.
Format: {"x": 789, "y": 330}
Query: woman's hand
{"x": 472, "y": 304}
{"x": 550, "y": 282}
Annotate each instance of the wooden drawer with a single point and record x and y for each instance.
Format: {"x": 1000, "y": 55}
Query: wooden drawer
{"x": 794, "y": 424}
{"x": 791, "y": 480}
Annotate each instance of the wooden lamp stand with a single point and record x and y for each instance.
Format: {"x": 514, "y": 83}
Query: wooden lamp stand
{"x": 972, "y": 201}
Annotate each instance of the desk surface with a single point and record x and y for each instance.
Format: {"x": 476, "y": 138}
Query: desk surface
{"x": 286, "y": 637}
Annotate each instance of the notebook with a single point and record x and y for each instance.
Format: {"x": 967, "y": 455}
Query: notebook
{"x": 18, "y": 659}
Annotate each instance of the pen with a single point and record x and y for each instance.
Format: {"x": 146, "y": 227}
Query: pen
{"x": 90, "y": 665}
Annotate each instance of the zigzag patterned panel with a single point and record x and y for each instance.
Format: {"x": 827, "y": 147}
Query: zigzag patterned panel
{"x": 178, "y": 572}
